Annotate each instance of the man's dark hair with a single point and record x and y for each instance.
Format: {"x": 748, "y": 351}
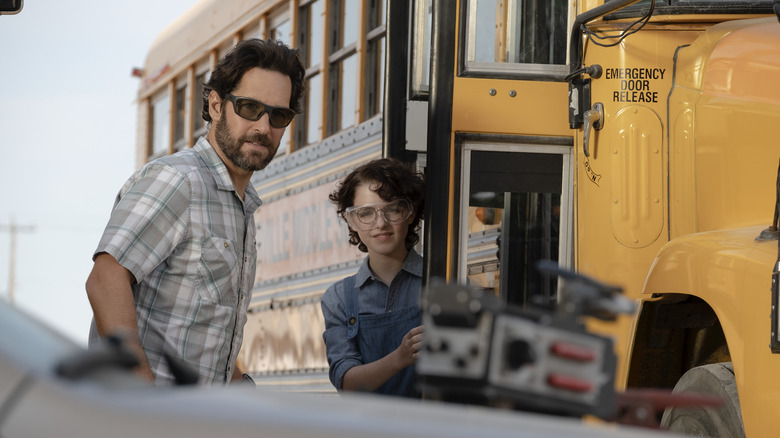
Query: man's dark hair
{"x": 395, "y": 180}
{"x": 266, "y": 54}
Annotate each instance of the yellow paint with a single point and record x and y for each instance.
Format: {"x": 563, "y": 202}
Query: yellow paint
{"x": 711, "y": 157}
{"x": 487, "y": 106}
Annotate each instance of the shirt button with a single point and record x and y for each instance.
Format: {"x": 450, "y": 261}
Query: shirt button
{"x": 226, "y": 244}
{"x": 352, "y": 321}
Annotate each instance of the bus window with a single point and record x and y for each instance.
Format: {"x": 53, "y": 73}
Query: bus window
{"x": 484, "y": 35}
{"x": 281, "y": 32}
{"x": 179, "y": 138}
{"x": 513, "y": 219}
{"x": 309, "y": 127}
{"x": 342, "y": 66}
{"x": 348, "y": 76}
{"x": 530, "y": 225}
{"x": 280, "y": 29}
{"x": 375, "y": 58}
{"x": 159, "y": 117}
{"x": 531, "y": 34}
{"x": 280, "y": 26}
{"x": 349, "y": 28}
{"x": 312, "y": 15}
{"x": 313, "y": 109}
{"x": 198, "y": 124}
{"x": 421, "y": 48}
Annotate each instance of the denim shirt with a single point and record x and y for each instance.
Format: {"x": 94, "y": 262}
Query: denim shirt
{"x": 374, "y": 298}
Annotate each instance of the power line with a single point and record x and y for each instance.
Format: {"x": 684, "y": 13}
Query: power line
{"x": 12, "y": 228}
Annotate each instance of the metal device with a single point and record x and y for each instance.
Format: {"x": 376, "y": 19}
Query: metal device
{"x": 478, "y": 350}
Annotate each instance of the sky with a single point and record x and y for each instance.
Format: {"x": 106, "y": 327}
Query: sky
{"x": 67, "y": 136}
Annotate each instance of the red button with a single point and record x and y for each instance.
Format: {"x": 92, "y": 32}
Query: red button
{"x": 573, "y": 352}
{"x": 569, "y": 383}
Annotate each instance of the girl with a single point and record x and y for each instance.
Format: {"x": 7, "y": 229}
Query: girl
{"x": 372, "y": 319}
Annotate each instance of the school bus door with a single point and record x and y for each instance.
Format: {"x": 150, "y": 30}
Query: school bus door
{"x": 509, "y": 162}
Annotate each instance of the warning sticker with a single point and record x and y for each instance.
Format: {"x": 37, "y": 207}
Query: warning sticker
{"x": 594, "y": 177}
{"x": 635, "y": 84}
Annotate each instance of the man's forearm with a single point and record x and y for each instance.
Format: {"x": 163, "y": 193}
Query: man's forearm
{"x": 109, "y": 289}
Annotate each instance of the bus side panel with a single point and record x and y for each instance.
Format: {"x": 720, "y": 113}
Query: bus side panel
{"x": 621, "y": 203}
{"x": 287, "y": 338}
{"x": 303, "y": 248}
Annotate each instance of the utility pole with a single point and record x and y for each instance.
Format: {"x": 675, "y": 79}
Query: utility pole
{"x": 12, "y": 229}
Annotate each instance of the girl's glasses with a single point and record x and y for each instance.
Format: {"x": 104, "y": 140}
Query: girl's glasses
{"x": 364, "y": 217}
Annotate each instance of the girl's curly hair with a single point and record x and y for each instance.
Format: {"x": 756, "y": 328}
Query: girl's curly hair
{"x": 390, "y": 179}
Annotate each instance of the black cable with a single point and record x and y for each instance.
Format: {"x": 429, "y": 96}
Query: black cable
{"x": 626, "y": 32}
{"x": 593, "y": 71}
{"x": 574, "y": 74}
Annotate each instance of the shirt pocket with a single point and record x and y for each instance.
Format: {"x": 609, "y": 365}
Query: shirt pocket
{"x": 250, "y": 266}
{"x": 219, "y": 270}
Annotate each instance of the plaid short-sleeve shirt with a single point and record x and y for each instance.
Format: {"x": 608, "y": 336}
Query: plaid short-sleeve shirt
{"x": 179, "y": 226}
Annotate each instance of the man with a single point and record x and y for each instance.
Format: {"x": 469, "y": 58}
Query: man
{"x": 174, "y": 269}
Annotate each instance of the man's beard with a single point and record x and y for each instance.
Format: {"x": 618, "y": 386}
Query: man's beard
{"x": 231, "y": 147}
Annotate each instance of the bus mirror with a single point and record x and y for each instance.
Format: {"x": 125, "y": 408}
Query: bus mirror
{"x": 10, "y": 7}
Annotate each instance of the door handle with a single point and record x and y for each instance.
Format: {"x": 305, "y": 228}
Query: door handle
{"x": 594, "y": 119}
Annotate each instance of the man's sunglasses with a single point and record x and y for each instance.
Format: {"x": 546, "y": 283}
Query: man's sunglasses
{"x": 251, "y": 109}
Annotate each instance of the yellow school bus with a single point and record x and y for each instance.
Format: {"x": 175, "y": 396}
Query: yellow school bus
{"x": 632, "y": 141}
